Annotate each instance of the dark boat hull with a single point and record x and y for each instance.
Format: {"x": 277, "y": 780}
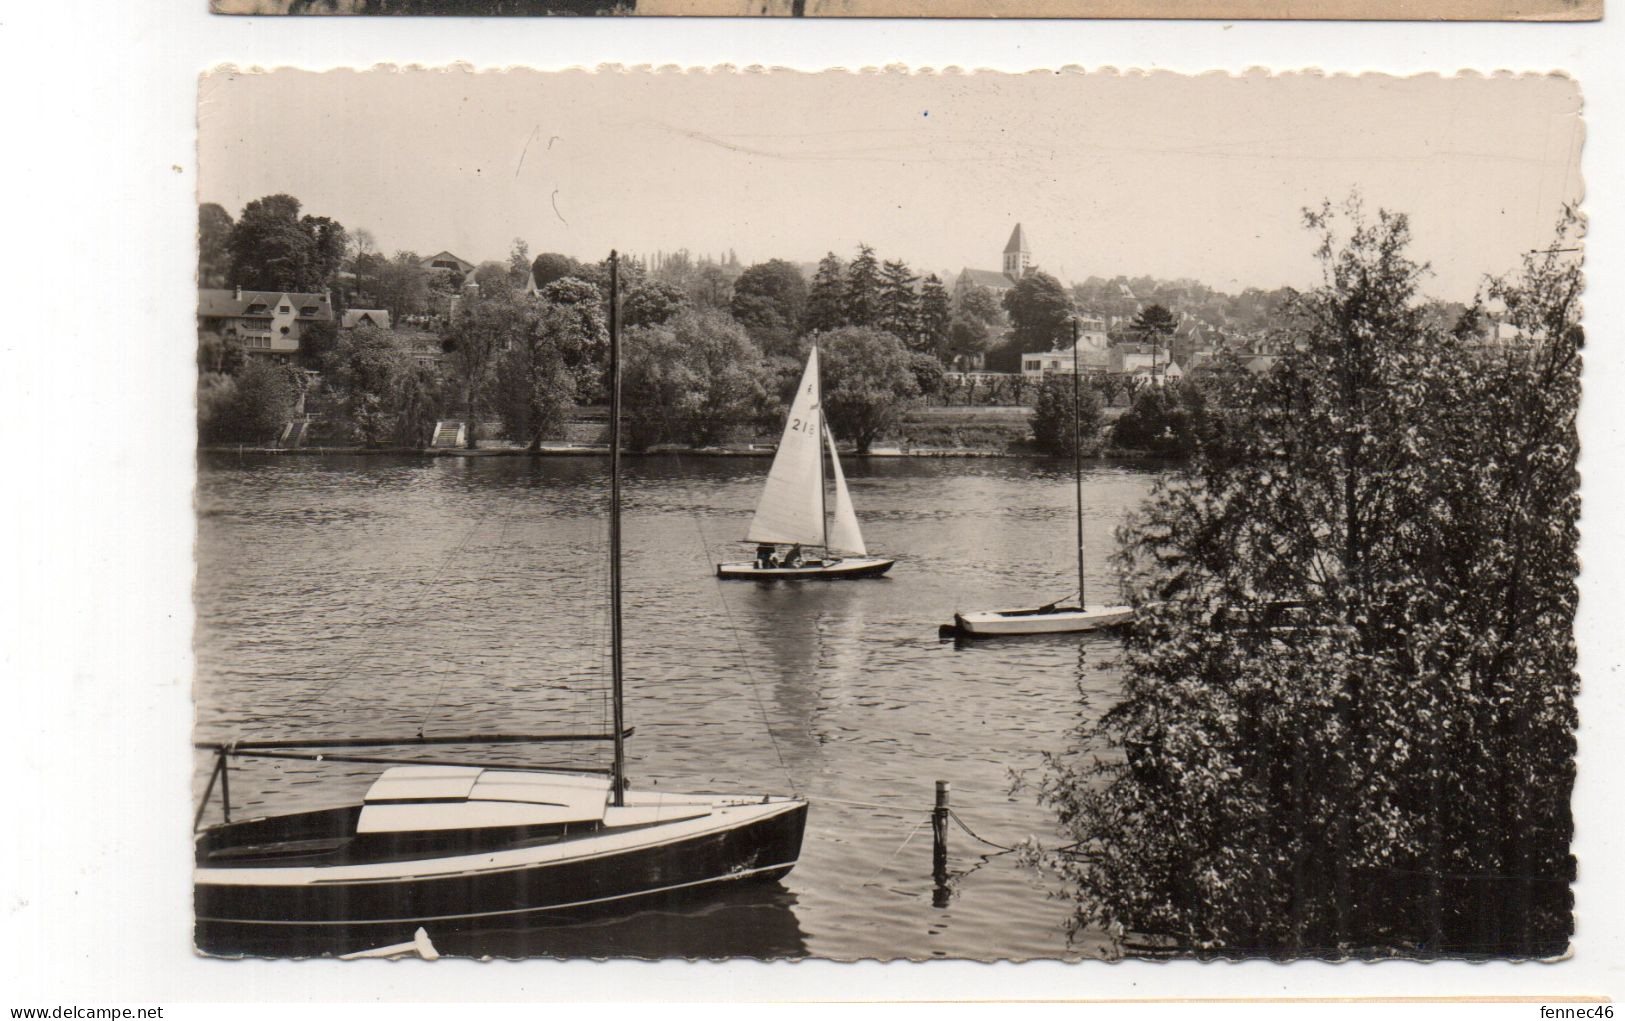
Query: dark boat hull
{"x": 344, "y": 916}
{"x": 858, "y": 567}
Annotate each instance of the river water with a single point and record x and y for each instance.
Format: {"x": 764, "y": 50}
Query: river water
{"x": 346, "y": 596}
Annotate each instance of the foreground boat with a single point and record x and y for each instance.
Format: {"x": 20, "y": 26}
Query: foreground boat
{"x": 467, "y": 848}
{"x": 461, "y": 846}
{"x": 794, "y": 507}
{"x": 1051, "y": 618}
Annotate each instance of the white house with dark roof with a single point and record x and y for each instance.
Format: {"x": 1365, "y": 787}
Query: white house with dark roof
{"x": 268, "y": 324}
{"x": 1018, "y": 259}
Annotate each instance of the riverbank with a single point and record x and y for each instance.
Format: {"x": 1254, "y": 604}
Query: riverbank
{"x": 935, "y": 431}
{"x": 498, "y": 449}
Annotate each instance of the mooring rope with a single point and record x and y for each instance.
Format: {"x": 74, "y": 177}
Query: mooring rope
{"x": 887, "y": 863}
{"x": 955, "y": 817}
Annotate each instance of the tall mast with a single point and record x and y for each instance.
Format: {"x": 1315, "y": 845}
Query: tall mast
{"x": 618, "y": 773}
{"x": 1077, "y": 456}
{"x": 823, "y": 429}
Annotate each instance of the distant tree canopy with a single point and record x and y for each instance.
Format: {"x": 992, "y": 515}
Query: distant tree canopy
{"x": 1040, "y": 313}
{"x": 551, "y": 358}
{"x": 1053, "y": 417}
{"x": 869, "y": 382}
{"x": 396, "y": 284}
{"x": 273, "y": 248}
{"x": 1155, "y": 323}
{"x": 1165, "y": 420}
{"x": 1347, "y": 719}
{"x": 653, "y": 302}
{"x": 492, "y": 277}
{"x": 860, "y": 291}
{"x": 473, "y": 341}
{"x": 550, "y": 266}
{"x": 214, "y": 228}
{"x": 934, "y": 322}
{"x": 977, "y": 318}
{"x": 769, "y": 301}
{"x": 364, "y": 369}
{"x": 250, "y": 407}
{"x": 518, "y": 264}
{"x": 825, "y": 298}
{"x": 691, "y": 380}
{"x": 317, "y": 342}
{"x": 898, "y": 311}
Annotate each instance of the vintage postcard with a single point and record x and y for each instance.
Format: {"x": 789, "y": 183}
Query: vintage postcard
{"x": 886, "y": 515}
{"x": 1228, "y": 10}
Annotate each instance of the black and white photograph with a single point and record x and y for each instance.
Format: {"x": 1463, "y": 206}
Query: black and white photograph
{"x": 886, "y": 516}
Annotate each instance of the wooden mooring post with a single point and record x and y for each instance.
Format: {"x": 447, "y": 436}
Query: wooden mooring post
{"x": 939, "y": 835}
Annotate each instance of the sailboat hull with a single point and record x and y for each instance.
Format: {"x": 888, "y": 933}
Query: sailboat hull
{"x": 1039, "y": 621}
{"x": 302, "y": 909}
{"x": 854, "y": 567}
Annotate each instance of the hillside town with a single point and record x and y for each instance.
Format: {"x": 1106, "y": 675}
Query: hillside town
{"x": 308, "y": 334}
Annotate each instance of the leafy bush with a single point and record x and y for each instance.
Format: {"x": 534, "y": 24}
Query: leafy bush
{"x": 1348, "y": 708}
{"x": 1053, "y": 416}
{"x": 251, "y": 407}
{"x": 1168, "y": 421}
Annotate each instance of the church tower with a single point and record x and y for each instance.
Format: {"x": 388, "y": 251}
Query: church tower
{"x": 1017, "y": 256}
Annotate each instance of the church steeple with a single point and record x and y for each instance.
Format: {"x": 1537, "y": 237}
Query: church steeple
{"x": 1017, "y": 256}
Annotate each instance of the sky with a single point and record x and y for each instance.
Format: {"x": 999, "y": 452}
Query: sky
{"x": 1159, "y": 174}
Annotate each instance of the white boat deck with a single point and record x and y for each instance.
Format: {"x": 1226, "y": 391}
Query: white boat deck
{"x": 434, "y": 798}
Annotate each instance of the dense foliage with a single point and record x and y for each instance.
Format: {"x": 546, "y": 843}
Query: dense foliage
{"x": 1040, "y": 314}
{"x": 1164, "y": 420}
{"x": 273, "y": 248}
{"x": 690, "y": 381}
{"x": 1347, "y": 722}
{"x": 550, "y": 361}
{"x": 249, "y": 407}
{"x": 1059, "y": 416}
{"x": 868, "y": 381}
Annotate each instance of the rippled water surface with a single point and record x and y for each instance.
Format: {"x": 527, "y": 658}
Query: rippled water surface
{"x": 345, "y": 596}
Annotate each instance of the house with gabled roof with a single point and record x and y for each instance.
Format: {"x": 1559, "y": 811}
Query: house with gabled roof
{"x": 354, "y": 317}
{"x": 445, "y": 262}
{"x": 268, "y": 324}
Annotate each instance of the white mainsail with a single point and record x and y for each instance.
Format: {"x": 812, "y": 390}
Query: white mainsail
{"x": 792, "y": 505}
{"x": 844, "y": 533}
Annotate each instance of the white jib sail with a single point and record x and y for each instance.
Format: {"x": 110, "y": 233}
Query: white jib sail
{"x": 844, "y": 533}
{"x": 792, "y": 505}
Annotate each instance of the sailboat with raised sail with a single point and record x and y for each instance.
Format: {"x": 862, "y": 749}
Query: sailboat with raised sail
{"x": 1057, "y": 617}
{"x": 794, "y": 507}
{"x": 465, "y": 846}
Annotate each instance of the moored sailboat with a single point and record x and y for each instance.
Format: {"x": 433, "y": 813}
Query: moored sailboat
{"x": 469, "y": 846}
{"x": 794, "y": 507}
{"x": 1057, "y": 617}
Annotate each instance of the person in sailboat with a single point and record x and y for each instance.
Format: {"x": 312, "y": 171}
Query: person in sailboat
{"x": 766, "y": 556}
{"x": 793, "y": 558}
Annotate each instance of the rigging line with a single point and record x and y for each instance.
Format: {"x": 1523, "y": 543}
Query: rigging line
{"x": 502, "y": 535}
{"x": 887, "y": 863}
{"x": 733, "y": 626}
{"x": 344, "y": 669}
